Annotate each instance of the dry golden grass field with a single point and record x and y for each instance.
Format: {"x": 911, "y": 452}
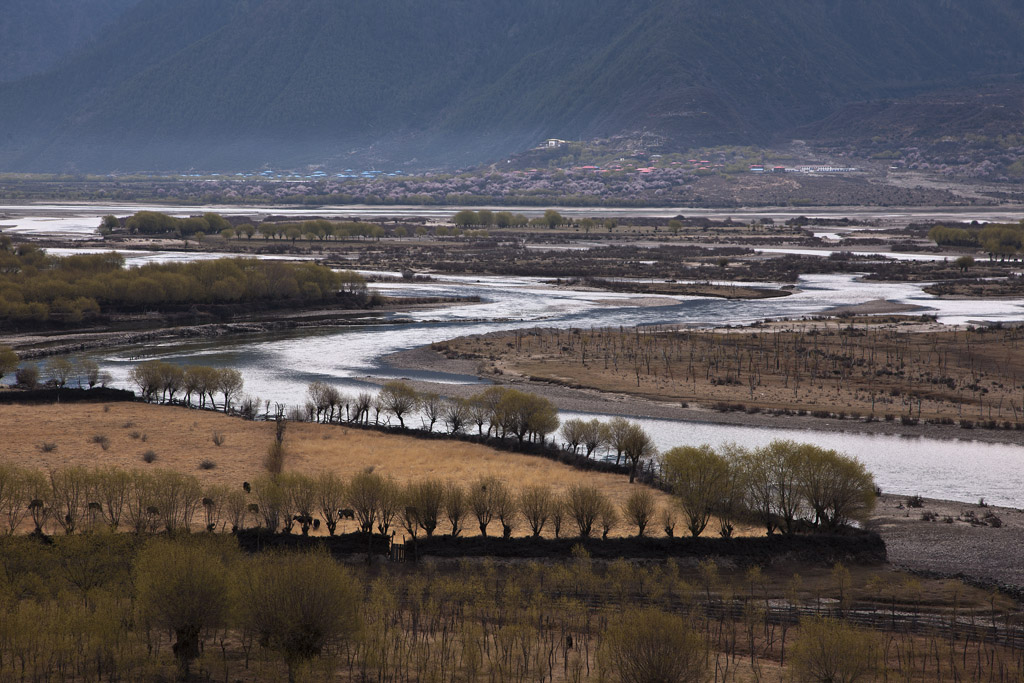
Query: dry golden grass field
{"x": 182, "y": 438}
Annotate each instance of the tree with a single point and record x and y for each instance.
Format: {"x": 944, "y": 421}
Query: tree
{"x": 182, "y": 587}
{"x": 697, "y": 476}
{"x": 365, "y": 492}
{"x": 595, "y": 435}
{"x": 650, "y": 646}
{"x": 484, "y": 495}
{"x": 456, "y": 506}
{"x": 432, "y": 407}
{"x": 584, "y": 504}
{"x": 8, "y": 361}
{"x": 399, "y": 399}
{"x": 427, "y": 498}
{"x": 964, "y": 263}
{"x": 836, "y": 488}
{"x": 830, "y": 651}
{"x": 146, "y": 376}
{"x": 466, "y": 218}
{"x": 229, "y": 383}
{"x": 637, "y": 447}
{"x": 553, "y": 219}
{"x": 298, "y": 604}
{"x": 59, "y": 371}
{"x": 525, "y": 414}
{"x": 639, "y": 509}
{"x": 330, "y": 491}
{"x": 455, "y": 413}
{"x": 573, "y": 431}
{"x": 536, "y": 503}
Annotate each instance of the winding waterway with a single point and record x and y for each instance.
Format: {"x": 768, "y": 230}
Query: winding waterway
{"x": 279, "y": 366}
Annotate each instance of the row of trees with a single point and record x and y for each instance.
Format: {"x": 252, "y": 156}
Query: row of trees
{"x": 157, "y": 223}
{"x": 998, "y": 240}
{"x": 37, "y": 287}
{"x": 161, "y": 381}
{"x": 79, "y": 499}
{"x": 785, "y": 486}
{"x": 505, "y": 412}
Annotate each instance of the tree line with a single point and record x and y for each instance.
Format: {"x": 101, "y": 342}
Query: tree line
{"x": 784, "y": 486}
{"x": 998, "y": 240}
{"x": 76, "y": 499}
{"x": 35, "y": 287}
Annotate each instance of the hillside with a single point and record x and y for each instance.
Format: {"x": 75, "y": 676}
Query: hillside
{"x": 36, "y": 34}
{"x": 427, "y": 83}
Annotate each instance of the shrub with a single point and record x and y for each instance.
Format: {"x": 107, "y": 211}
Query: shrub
{"x": 207, "y": 464}
{"x": 27, "y": 376}
{"x": 48, "y": 447}
{"x": 218, "y": 439}
{"x": 915, "y": 501}
{"x": 149, "y": 456}
{"x": 273, "y": 461}
{"x": 102, "y": 440}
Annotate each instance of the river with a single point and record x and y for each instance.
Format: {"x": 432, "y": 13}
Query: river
{"x": 279, "y": 366}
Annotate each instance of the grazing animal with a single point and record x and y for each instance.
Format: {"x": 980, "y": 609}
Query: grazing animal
{"x": 346, "y": 513}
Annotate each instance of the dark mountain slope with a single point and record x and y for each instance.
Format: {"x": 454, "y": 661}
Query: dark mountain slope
{"x": 36, "y": 34}
{"x": 229, "y": 83}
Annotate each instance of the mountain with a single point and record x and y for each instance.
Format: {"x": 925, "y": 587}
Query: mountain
{"x": 229, "y": 84}
{"x": 36, "y": 34}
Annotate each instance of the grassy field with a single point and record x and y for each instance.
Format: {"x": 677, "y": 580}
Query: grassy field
{"x": 890, "y": 370}
{"x": 182, "y": 439}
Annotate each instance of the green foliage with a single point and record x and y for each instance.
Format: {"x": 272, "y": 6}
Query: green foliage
{"x": 69, "y": 290}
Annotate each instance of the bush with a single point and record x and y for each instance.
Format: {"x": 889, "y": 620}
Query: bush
{"x": 149, "y": 456}
{"x": 207, "y": 464}
{"x": 27, "y": 376}
{"x": 102, "y": 440}
{"x": 915, "y": 501}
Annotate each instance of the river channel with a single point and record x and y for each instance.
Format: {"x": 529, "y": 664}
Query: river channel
{"x": 279, "y": 366}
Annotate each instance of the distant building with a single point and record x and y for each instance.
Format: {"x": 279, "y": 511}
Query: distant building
{"x": 554, "y": 142}
{"x": 756, "y": 168}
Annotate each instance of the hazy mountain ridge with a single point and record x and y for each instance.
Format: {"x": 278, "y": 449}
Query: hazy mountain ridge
{"x": 238, "y": 83}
